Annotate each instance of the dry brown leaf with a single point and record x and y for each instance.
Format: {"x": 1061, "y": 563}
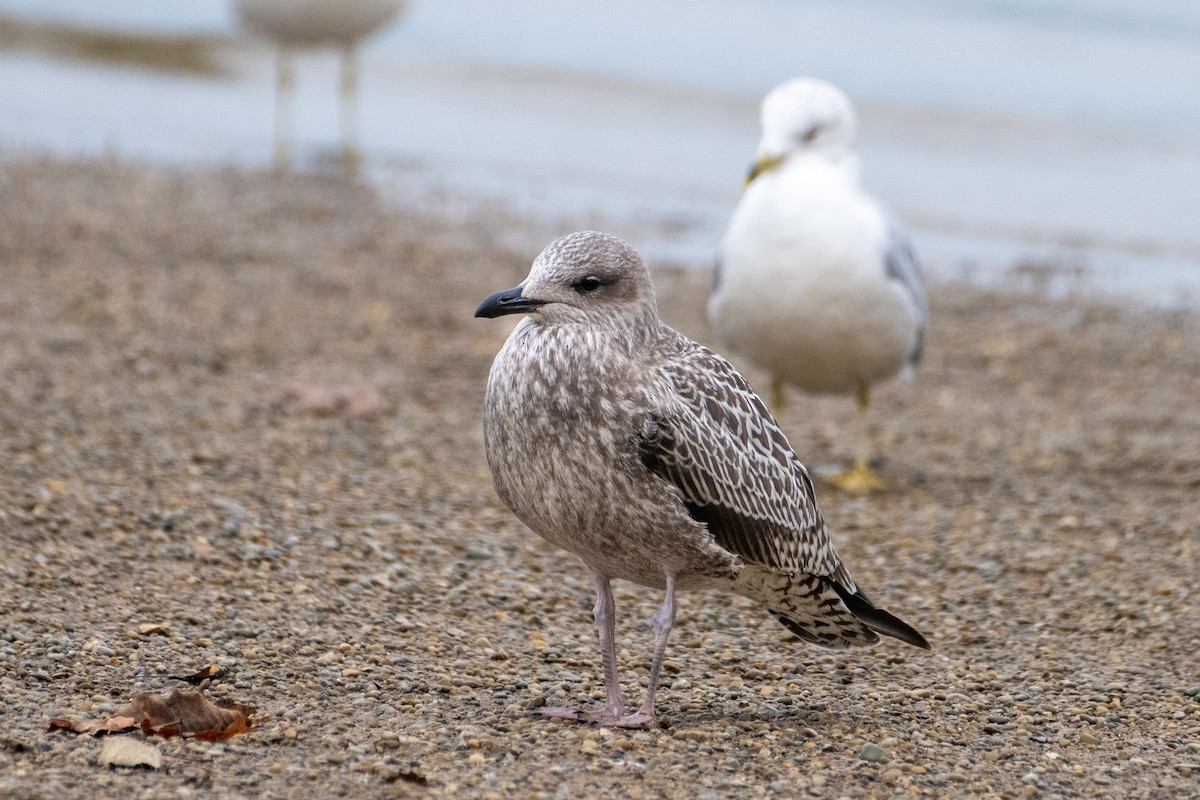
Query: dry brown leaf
{"x": 242, "y": 724}
{"x": 188, "y": 713}
{"x": 94, "y": 727}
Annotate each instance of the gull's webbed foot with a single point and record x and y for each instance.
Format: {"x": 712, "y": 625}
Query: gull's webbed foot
{"x": 859, "y": 479}
{"x": 641, "y": 720}
{"x": 609, "y": 716}
{"x": 603, "y": 719}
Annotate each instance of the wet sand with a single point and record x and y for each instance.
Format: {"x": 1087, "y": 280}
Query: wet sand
{"x": 166, "y": 457}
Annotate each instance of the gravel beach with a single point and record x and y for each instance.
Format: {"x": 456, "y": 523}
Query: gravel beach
{"x": 242, "y": 409}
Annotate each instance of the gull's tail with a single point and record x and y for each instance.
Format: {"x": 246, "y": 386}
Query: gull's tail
{"x": 879, "y": 620}
{"x": 821, "y": 611}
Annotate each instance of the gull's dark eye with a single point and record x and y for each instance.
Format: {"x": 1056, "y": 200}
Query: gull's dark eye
{"x": 811, "y": 134}
{"x": 587, "y": 285}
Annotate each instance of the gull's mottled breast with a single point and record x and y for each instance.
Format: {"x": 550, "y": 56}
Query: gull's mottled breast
{"x": 564, "y": 411}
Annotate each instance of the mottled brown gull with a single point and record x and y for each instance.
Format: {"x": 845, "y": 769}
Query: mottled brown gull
{"x": 816, "y": 282}
{"x": 650, "y": 457}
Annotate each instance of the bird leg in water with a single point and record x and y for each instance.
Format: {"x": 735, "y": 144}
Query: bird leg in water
{"x": 860, "y": 478}
{"x": 351, "y": 154}
{"x": 285, "y": 85}
{"x": 605, "y": 612}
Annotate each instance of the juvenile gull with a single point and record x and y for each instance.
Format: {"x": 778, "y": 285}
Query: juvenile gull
{"x": 816, "y": 283}
{"x": 649, "y": 456}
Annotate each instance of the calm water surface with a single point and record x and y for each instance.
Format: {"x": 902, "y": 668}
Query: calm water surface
{"x": 1049, "y": 133}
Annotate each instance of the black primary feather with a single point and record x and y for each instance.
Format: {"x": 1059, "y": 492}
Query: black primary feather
{"x": 879, "y": 620}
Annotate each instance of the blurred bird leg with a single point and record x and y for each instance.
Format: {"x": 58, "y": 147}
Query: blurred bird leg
{"x": 778, "y": 400}
{"x": 860, "y": 478}
{"x": 285, "y": 85}
{"x": 351, "y": 154}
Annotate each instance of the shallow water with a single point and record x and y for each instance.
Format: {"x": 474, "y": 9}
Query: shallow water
{"x": 1052, "y": 134}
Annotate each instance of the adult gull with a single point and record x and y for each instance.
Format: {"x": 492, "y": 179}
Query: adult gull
{"x": 816, "y": 282}
{"x": 297, "y": 24}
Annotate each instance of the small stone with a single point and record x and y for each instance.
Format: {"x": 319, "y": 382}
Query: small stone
{"x": 126, "y": 751}
{"x": 873, "y": 752}
{"x": 327, "y": 659}
{"x": 1085, "y": 737}
{"x": 153, "y": 629}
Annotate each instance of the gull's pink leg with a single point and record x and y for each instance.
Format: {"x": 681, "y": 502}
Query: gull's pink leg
{"x": 606, "y": 622}
{"x": 663, "y": 621}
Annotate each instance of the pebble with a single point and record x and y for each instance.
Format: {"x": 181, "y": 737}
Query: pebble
{"x": 873, "y": 752}
{"x": 127, "y": 751}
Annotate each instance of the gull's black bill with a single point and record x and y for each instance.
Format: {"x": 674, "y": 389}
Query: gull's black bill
{"x": 509, "y": 301}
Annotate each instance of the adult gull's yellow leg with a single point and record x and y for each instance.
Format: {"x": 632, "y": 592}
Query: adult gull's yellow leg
{"x": 860, "y": 477}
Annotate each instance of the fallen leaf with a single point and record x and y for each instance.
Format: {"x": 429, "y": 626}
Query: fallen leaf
{"x": 94, "y": 727}
{"x": 126, "y": 751}
{"x": 211, "y": 672}
{"x": 241, "y": 724}
{"x": 187, "y": 713}
{"x": 181, "y": 713}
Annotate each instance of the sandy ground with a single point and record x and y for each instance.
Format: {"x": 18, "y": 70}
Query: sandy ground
{"x": 167, "y": 456}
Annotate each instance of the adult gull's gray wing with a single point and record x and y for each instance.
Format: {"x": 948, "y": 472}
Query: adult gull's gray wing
{"x": 900, "y": 263}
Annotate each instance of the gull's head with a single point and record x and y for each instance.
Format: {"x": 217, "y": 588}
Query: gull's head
{"x": 804, "y": 115}
{"x": 582, "y": 277}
